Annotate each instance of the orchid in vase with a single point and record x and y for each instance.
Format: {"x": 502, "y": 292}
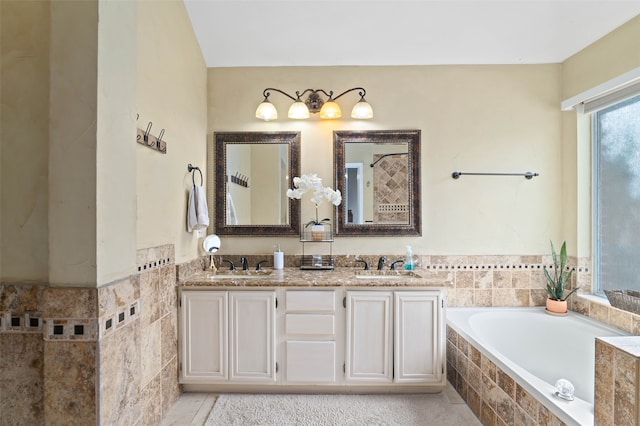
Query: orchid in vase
{"x": 310, "y": 182}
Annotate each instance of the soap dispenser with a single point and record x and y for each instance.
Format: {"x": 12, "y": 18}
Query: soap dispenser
{"x": 408, "y": 262}
{"x": 278, "y": 258}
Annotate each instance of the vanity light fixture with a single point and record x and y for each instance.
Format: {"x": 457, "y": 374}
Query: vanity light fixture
{"x": 314, "y": 103}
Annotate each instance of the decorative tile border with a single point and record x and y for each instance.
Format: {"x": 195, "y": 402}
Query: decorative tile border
{"x": 155, "y": 257}
{"x": 155, "y": 264}
{"x": 21, "y": 322}
{"x": 85, "y": 329}
{"x": 119, "y": 319}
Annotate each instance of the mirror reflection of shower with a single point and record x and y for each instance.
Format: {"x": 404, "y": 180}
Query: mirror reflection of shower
{"x": 355, "y": 193}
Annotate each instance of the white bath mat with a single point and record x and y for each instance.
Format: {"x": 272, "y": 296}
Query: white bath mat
{"x": 305, "y": 410}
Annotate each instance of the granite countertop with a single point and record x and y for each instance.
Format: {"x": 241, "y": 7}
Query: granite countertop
{"x": 295, "y": 277}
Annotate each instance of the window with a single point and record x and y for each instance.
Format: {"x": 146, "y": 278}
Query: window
{"x": 616, "y": 183}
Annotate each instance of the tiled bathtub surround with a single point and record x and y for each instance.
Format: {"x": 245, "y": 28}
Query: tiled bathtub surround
{"x": 617, "y": 378}
{"x": 493, "y": 396}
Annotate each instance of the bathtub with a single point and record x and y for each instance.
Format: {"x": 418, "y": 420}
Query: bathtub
{"x": 536, "y": 349}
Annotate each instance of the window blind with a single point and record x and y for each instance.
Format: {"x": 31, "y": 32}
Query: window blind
{"x": 613, "y": 97}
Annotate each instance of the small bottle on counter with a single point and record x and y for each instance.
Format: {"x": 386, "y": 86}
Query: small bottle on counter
{"x": 278, "y": 258}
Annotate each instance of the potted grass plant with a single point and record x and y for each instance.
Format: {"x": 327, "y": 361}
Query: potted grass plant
{"x": 558, "y": 281}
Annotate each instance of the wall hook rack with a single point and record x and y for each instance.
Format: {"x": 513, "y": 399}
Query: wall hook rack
{"x": 144, "y": 137}
{"x": 527, "y": 175}
{"x": 239, "y": 179}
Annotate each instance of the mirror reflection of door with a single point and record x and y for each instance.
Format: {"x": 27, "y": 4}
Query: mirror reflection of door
{"x": 355, "y": 193}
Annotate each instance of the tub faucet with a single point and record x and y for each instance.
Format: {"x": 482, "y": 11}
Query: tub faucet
{"x": 366, "y": 264}
{"x": 393, "y": 265}
{"x": 245, "y": 263}
{"x": 381, "y": 262}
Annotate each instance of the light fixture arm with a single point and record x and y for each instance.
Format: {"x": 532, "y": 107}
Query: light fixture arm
{"x": 362, "y": 93}
{"x": 267, "y": 92}
{"x": 314, "y": 91}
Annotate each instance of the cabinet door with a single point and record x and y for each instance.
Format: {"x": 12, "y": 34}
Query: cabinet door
{"x": 203, "y": 345}
{"x": 417, "y": 355}
{"x": 311, "y": 361}
{"x": 252, "y": 341}
{"x": 369, "y": 340}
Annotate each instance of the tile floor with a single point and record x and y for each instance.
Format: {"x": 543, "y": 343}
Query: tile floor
{"x": 193, "y": 408}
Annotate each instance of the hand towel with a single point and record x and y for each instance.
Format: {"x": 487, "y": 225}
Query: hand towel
{"x": 232, "y": 218}
{"x": 197, "y": 211}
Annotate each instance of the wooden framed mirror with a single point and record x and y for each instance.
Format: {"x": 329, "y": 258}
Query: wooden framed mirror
{"x": 378, "y": 173}
{"x": 253, "y": 171}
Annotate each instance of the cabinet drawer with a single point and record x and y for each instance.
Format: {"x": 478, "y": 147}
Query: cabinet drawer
{"x": 311, "y": 362}
{"x": 310, "y": 324}
{"x": 311, "y": 301}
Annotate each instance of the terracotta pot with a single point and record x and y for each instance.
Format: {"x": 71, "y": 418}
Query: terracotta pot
{"x": 556, "y": 306}
{"x": 317, "y": 232}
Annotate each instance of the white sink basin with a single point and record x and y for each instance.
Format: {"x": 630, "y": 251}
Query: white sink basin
{"x": 386, "y": 274}
{"x": 241, "y": 275}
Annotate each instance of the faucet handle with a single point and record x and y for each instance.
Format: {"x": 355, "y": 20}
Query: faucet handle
{"x": 259, "y": 265}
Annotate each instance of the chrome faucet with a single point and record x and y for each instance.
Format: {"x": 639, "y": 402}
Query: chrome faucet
{"x": 381, "y": 262}
{"x": 245, "y": 263}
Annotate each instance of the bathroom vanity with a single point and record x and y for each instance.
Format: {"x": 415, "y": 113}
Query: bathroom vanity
{"x": 319, "y": 331}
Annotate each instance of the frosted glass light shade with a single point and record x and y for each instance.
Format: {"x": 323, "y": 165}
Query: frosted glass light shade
{"x": 330, "y": 110}
{"x": 362, "y": 111}
{"x": 266, "y": 111}
{"x": 298, "y": 110}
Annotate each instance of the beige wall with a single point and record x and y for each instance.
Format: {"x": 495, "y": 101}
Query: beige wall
{"x": 89, "y": 196}
{"x": 115, "y": 155}
{"x": 612, "y": 55}
{"x": 72, "y": 143}
{"x": 171, "y": 93}
{"x": 24, "y": 149}
{"x": 615, "y": 54}
{"x": 92, "y": 131}
{"x": 473, "y": 118}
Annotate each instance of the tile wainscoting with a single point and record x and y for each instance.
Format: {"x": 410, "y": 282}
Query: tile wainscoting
{"x": 82, "y": 356}
{"x": 109, "y": 355}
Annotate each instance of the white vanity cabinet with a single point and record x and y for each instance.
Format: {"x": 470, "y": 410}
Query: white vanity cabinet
{"x": 312, "y": 339}
{"x": 227, "y": 336}
{"x": 394, "y": 337}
